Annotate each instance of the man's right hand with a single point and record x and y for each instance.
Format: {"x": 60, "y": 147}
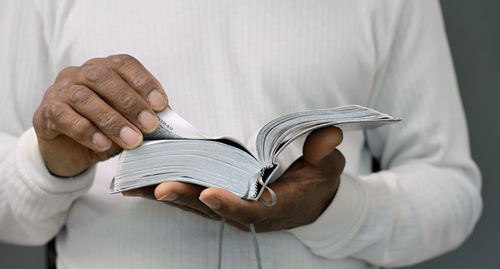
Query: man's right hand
{"x": 94, "y": 111}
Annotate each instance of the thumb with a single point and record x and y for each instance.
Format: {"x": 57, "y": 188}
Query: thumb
{"x": 320, "y": 143}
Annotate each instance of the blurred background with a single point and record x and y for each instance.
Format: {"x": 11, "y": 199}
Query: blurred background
{"x": 474, "y": 36}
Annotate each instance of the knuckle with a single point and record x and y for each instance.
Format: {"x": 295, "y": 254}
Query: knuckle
{"x": 141, "y": 80}
{"x": 38, "y": 121}
{"x": 109, "y": 120}
{"x": 53, "y": 112}
{"x": 59, "y": 91}
{"x": 127, "y": 102}
{"x": 96, "y": 73}
{"x": 66, "y": 73}
{"x": 50, "y": 125}
{"x": 81, "y": 127}
{"x": 93, "y": 61}
{"x": 80, "y": 95}
{"x": 122, "y": 59}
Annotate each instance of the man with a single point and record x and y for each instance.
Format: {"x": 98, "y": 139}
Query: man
{"x": 228, "y": 67}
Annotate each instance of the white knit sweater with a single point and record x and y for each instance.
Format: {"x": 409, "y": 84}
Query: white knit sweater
{"x": 228, "y": 67}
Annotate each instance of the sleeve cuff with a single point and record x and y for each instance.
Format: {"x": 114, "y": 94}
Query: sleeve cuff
{"x": 33, "y": 169}
{"x": 340, "y": 220}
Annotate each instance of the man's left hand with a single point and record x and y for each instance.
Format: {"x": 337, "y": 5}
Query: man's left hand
{"x": 303, "y": 192}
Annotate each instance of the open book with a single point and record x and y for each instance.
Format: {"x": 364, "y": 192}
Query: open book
{"x": 177, "y": 151}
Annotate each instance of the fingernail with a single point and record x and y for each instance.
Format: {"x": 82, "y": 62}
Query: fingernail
{"x": 130, "y": 137}
{"x": 169, "y": 197}
{"x": 148, "y": 121}
{"x": 101, "y": 141}
{"x": 157, "y": 100}
{"x": 211, "y": 202}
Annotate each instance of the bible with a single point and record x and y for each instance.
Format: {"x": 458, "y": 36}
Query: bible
{"x": 177, "y": 151}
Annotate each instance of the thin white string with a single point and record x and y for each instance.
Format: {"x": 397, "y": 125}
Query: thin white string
{"x": 221, "y": 237}
{"x": 252, "y": 228}
{"x": 255, "y": 244}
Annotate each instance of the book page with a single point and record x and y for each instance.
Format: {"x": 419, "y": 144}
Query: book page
{"x": 278, "y": 133}
{"x": 174, "y": 126}
{"x": 202, "y": 162}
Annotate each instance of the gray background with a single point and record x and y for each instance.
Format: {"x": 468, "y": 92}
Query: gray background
{"x": 474, "y": 35}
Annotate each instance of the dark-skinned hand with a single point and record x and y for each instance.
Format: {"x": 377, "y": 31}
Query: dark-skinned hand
{"x": 93, "y": 111}
{"x": 303, "y": 192}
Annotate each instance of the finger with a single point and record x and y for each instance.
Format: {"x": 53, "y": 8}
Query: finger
{"x": 333, "y": 164}
{"x": 109, "y": 121}
{"x": 231, "y": 206}
{"x": 183, "y": 194}
{"x": 117, "y": 93}
{"x": 207, "y": 214}
{"x": 144, "y": 192}
{"x": 148, "y": 193}
{"x": 137, "y": 76}
{"x": 320, "y": 143}
{"x": 60, "y": 118}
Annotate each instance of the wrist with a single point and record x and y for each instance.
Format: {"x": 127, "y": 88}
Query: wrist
{"x": 33, "y": 170}
{"x": 339, "y": 221}
{"x": 58, "y": 162}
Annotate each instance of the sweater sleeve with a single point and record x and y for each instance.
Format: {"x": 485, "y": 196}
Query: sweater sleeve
{"x": 426, "y": 199}
{"x": 33, "y": 203}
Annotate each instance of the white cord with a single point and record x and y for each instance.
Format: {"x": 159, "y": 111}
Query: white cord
{"x": 254, "y": 239}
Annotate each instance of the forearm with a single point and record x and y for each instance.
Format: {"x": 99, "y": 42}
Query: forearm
{"x": 426, "y": 199}
{"x": 33, "y": 203}
{"x": 402, "y": 216}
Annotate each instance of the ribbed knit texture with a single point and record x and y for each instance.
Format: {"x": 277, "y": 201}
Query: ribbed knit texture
{"x": 228, "y": 68}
